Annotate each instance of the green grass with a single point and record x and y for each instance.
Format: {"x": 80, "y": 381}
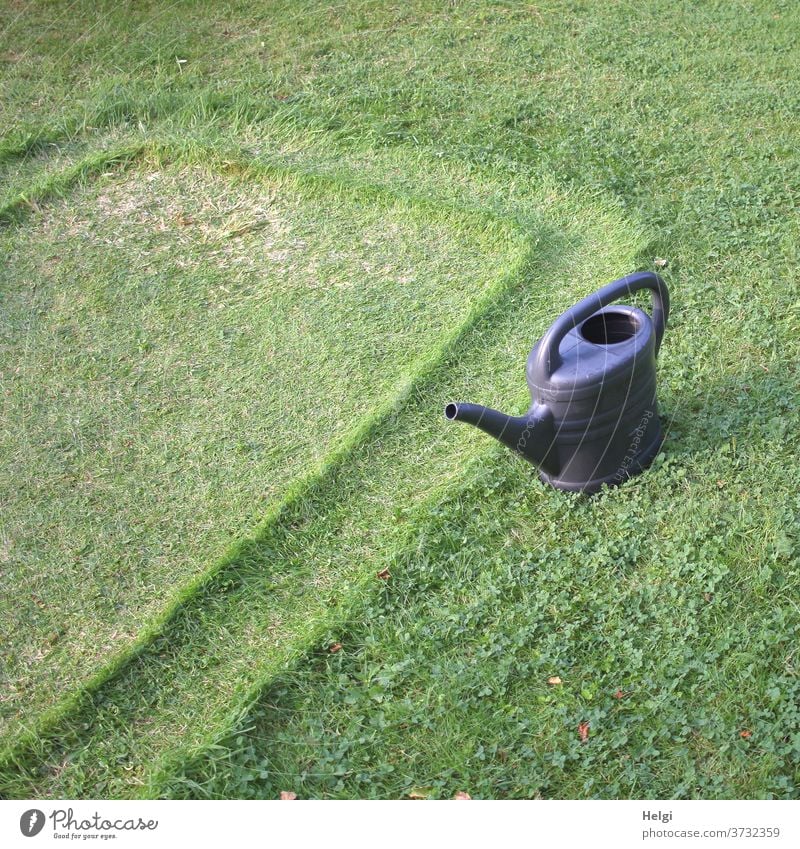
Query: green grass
{"x": 237, "y": 291}
{"x": 189, "y": 345}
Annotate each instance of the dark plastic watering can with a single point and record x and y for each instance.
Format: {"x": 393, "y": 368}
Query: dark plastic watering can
{"x": 593, "y": 418}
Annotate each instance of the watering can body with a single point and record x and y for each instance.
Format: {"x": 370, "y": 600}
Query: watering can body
{"x": 593, "y": 418}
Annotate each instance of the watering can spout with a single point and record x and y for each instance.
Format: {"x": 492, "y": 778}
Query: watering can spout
{"x": 532, "y": 435}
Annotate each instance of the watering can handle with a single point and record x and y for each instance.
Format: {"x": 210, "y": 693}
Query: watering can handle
{"x": 548, "y": 359}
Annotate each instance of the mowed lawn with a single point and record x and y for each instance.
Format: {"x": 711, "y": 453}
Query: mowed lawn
{"x": 248, "y": 252}
{"x": 187, "y": 346}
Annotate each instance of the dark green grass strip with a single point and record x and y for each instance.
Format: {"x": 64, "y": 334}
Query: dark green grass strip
{"x": 231, "y": 160}
{"x": 169, "y": 772}
{"x": 59, "y": 184}
{"x": 119, "y": 111}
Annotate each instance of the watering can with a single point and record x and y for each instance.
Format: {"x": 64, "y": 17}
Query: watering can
{"x": 593, "y": 418}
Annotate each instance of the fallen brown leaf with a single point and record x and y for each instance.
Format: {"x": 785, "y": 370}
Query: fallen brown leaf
{"x": 619, "y": 695}
{"x": 288, "y": 796}
{"x": 461, "y": 795}
{"x": 384, "y": 574}
{"x": 583, "y": 730}
{"x": 335, "y": 647}
{"x": 553, "y": 680}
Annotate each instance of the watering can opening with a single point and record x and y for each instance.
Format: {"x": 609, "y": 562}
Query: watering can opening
{"x": 610, "y": 327}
